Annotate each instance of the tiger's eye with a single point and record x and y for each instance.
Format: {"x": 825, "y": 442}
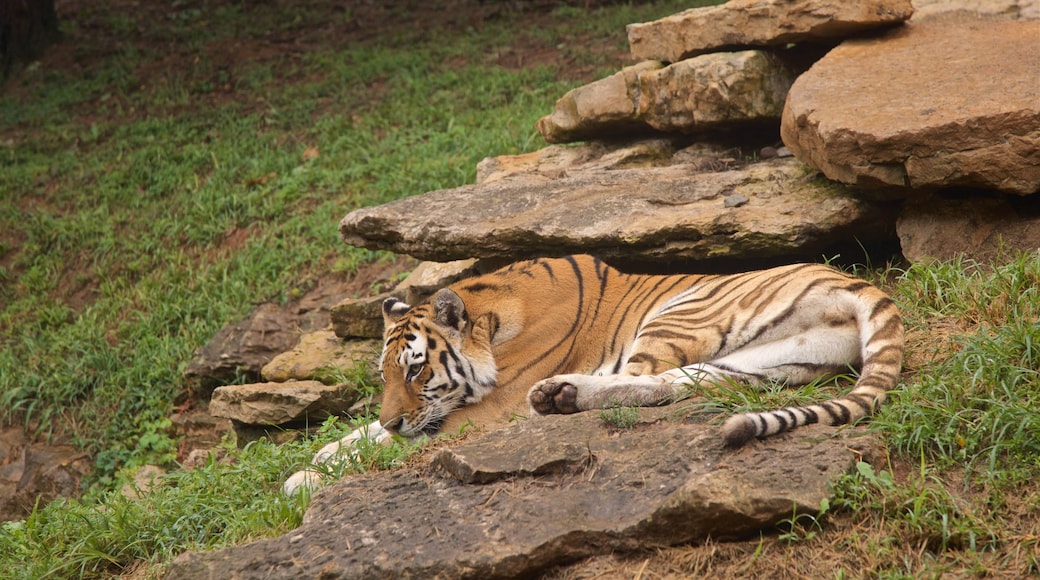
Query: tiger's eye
{"x": 414, "y": 371}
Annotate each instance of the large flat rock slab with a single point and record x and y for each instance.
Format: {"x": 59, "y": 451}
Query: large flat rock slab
{"x": 768, "y": 209}
{"x": 558, "y": 489}
{"x": 945, "y": 102}
{"x": 743, "y": 23}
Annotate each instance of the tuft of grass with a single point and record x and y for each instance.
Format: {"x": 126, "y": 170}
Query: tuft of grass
{"x": 619, "y": 416}
{"x": 360, "y": 375}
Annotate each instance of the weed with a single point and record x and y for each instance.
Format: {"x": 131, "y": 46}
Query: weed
{"x": 972, "y": 403}
{"x": 801, "y": 526}
{"x": 922, "y": 509}
{"x": 618, "y": 416}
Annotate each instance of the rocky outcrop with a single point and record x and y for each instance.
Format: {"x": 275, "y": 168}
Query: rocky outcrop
{"x": 243, "y": 348}
{"x": 904, "y": 121}
{"x": 896, "y": 126}
{"x": 546, "y": 492}
{"x": 743, "y": 23}
{"x": 696, "y": 95}
{"x": 982, "y": 228}
{"x": 318, "y": 355}
{"x": 660, "y": 214}
{"x": 33, "y": 473}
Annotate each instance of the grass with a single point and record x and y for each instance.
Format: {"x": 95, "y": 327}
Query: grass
{"x": 159, "y": 181}
{"x": 224, "y": 502}
{"x": 144, "y": 210}
{"x": 618, "y": 416}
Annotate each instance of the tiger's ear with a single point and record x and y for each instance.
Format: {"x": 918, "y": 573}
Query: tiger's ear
{"x": 394, "y": 309}
{"x": 448, "y": 309}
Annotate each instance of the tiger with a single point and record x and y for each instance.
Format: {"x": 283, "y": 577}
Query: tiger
{"x": 564, "y": 335}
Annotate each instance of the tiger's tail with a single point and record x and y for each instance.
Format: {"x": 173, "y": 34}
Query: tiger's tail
{"x": 881, "y": 336}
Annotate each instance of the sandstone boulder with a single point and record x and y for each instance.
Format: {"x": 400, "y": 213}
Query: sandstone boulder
{"x": 550, "y": 491}
{"x": 280, "y": 403}
{"x": 658, "y": 214}
{"x": 980, "y": 227}
{"x": 744, "y": 23}
{"x": 700, "y": 94}
{"x": 359, "y": 317}
{"x": 317, "y": 356}
{"x": 912, "y": 114}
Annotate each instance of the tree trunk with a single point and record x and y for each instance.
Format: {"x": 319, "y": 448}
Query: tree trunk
{"x": 27, "y": 27}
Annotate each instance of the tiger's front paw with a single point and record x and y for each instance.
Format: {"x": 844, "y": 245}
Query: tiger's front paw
{"x": 553, "y": 395}
{"x": 305, "y": 480}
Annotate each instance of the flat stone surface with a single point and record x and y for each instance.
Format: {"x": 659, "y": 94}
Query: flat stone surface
{"x": 655, "y": 214}
{"x": 557, "y": 160}
{"x": 279, "y": 403}
{"x": 744, "y": 23}
{"x": 558, "y": 489}
{"x": 1022, "y": 9}
{"x": 905, "y": 109}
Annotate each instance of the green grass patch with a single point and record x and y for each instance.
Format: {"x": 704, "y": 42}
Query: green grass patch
{"x": 618, "y": 416}
{"x": 224, "y": 502}
{"x": 974, "y": 403}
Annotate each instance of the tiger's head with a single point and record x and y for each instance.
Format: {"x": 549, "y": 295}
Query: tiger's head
{"x": 435, "y": 359}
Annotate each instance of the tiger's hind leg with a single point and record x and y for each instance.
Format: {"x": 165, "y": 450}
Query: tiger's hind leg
{"x": 574, "y": 393}
{"x": 796, "y": 359}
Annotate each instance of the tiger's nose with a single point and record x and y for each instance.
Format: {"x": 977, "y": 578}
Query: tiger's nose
{"x": 394, "y": 424}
